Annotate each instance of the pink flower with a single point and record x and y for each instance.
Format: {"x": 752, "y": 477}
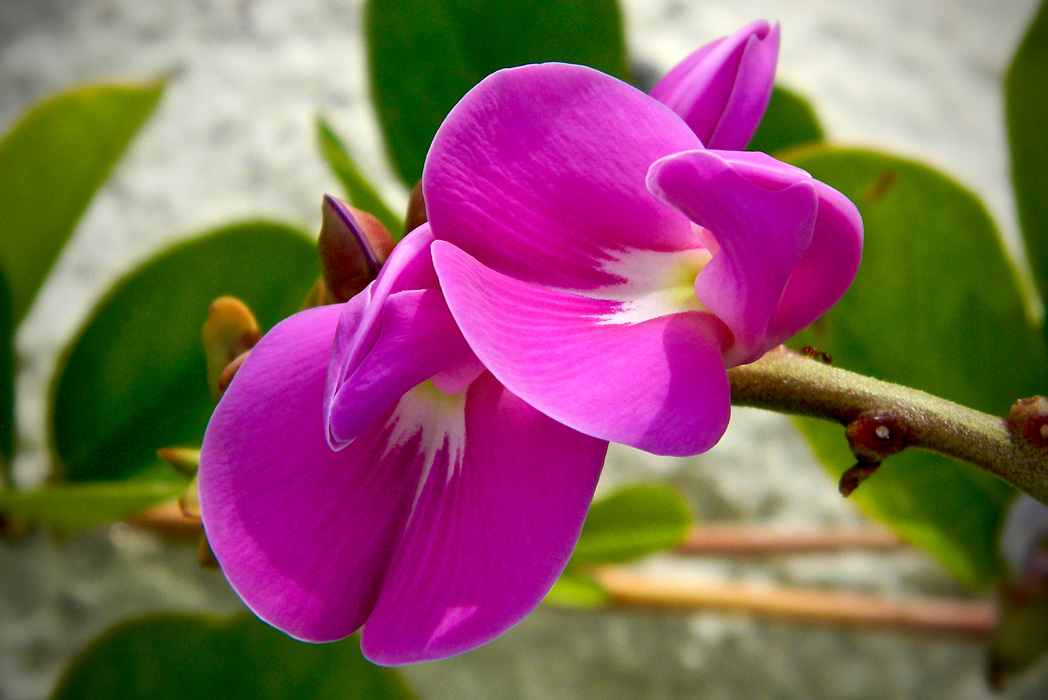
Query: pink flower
{"x": 419, "y": 460}
{"x": 390, "y": 482}
{"x": 607, "y": 269}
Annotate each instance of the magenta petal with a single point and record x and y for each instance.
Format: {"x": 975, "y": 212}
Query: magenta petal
{"x": 485, "y": 545}
{"x": 828, "y": 266}
{"x": 763, "y": 227}
{"x": 418, "y": 339}
{"x": 303, "y": 534}
{"x": 723, "y": 88}
{"x": 392, "y": 336}
{"x": 659, "y": 385}
{"x": 540, "y": 170}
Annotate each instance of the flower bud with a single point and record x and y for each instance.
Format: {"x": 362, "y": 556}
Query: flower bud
{"x": 353, "y": 245}
{"x": 722, "y": 90}
{"x": 230, "y": 331}
{"x": 185, "y": 460}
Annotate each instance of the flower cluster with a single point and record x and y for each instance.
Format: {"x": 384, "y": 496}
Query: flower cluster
{"x": 419, "y": 460}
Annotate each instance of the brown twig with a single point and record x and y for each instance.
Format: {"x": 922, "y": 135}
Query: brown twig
{"x": 788, "y": 382}
{"x": 932, "y": 616}
{"x": 737, "y": 541}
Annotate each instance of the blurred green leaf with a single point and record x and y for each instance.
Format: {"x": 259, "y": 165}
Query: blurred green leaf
{"x": 1026, "y": 103}
{"x": 51, "y": 163}
{"x": 936, "y": 306}
{"x": 176, "y": 657}
{"x": 575, "y": 590}
{"x": 631, "y": 523}
{"x": 135, "y": 377}
{"x": 7, "y": 382}
{"x": 77, "y": 506}
{"x": 424, "y": 55}
{"x": 360, "y": 192}
{"x": 788, "y": 122}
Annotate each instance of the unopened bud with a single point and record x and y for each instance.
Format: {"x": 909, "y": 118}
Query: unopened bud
{"x": 353, "y": 245}
{"x": 416, "y": 210}
{"x": 230, "y": 330}
{"x": 1028, "y": 418}
{"x": 875, "y": 435}
{"x": 186, "y": 460}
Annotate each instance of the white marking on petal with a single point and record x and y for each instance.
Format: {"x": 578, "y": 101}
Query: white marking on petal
{"x": 655, "y": 284}
{"x": 438, "y": 420}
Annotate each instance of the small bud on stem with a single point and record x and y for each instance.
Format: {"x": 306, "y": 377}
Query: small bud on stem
{"x": 353, "y": 245}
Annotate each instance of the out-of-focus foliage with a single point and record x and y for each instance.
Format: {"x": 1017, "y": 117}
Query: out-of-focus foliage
{"x": 788, "y": 122}
{"x": 631, "y": 523}
{"x": 135, "y": 377}
{"x": 360, "y": 192}
{"x": 51, "y": 164}
{"x": 77, "y": 506}
{"x": 424, "y": 55}
{"x": 1026, "y": 100}
{"x": 936, "y": 306}
{"x": 168, "y": 657}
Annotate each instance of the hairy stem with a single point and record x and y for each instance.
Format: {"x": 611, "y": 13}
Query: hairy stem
{"x": 788, "y": 382}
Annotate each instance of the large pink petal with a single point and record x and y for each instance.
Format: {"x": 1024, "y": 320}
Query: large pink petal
{"x": 485, "y": 544}
{"x": 659, "y": 385}
{"x": 762, "y": 219}
{"x": 723, "y": 88}
{"x": 539, "y": 172}
{"x": 303, "y": 534}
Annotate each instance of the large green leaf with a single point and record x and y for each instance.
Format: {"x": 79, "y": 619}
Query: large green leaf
{"x": 424, "y": 55}
{"x": 1026, "y": 101}
{"x": 169, "y": 657}
{"x": 936, "y": 306}
{"x": 51, "y": 163}
{"x": 135, "y": 377}
{"x": 632, "y": 523}
{"x": 788, "y": 122}
{"x": 76, "y": 506}
{"x": 7, "y": 383}
{"x": 360, "y": 192}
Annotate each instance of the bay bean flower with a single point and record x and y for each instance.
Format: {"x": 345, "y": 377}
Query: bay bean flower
{"x": 363, "y": 468}
{"x": 607, "y": 268}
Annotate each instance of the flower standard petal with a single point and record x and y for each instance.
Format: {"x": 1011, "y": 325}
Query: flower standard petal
{"x": 539, "y": 172}
{"x": 656, "y": 383}
{"x": 722, "y": 89}
{"x": 763, "y": 225}
{"x": 303, "y": 534}
{"x": 493, "y": 527}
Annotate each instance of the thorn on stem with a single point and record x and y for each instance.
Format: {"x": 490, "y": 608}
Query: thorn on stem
{"x": 853, "y": 477}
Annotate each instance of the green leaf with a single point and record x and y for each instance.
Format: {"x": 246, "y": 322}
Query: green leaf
{"x": 135, "y": 377}
{"x": 178, "y": 657}
{"x": 7, "y": 382}
{"x": 788, "y": 122}
{"x": 936, "y": 306}
{"x": 77, "y": 506}
{"x": 424, "y": 55}
{"x": 574, "y": 590}
{"x": 1026, "y": 104}
{"x": 631, "y": 523}
{"x": 51, "y": 163}
{"x": 361, "y": 194}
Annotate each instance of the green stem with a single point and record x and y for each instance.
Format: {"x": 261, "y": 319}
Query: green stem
{"x": 788, "y": 382}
